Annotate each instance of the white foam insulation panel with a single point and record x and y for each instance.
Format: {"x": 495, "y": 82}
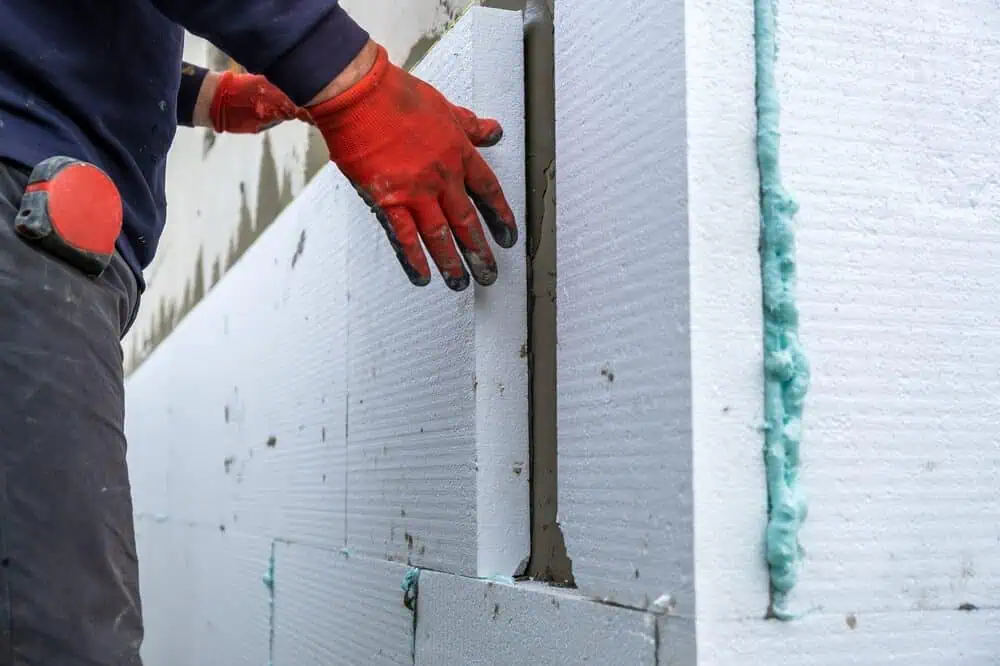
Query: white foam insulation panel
{"x": 462, "y": 621}
{"x": 890, "y": 141}
{"x": 334, "y": 608}
{"x": 624, "y": 368}
{"x": 316, "y": 399}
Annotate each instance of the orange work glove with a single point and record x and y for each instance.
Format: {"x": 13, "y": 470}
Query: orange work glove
{"x": 412, "y": 156}
{"x": 248, "y": 104}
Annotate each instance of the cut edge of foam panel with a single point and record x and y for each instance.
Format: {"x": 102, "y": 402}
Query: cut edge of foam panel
{"x": 501, "y": 320}
{"x": 492, "y": 45}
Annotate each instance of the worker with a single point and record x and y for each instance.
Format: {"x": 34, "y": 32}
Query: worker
{"x": 102, "y": 82}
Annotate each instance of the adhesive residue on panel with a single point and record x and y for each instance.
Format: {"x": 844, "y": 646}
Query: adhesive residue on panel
{"x": 786, "y": 369}
{"x": 410, "y": 585}
{"x": 268, "y": 580}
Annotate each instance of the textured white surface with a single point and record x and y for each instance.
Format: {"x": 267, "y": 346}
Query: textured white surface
{"x": 900, "y": 299}
{"x": 624, "y": 379}
{"x": 208, "y": 604}
{"x": 337, "y": 609}
{"x": 926, "y": 638}
{"x": 462, "y": 621}
{"x": 438, "y": 409}
{"x": 891, "y": 145}
{"x": 316, "y": 398}
{"x": 726, "y": 311}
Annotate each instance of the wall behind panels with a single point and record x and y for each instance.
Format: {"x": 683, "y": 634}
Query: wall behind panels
{"x": 891, "y": 145}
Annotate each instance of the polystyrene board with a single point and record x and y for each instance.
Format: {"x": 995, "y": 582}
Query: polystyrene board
{"x": 161, "y": 592}
{"x": 726, "y": 310}
{"x": 247, "y": 397}
{"x": 892, "y": 140}
{"x": 437, "y": 381}
{"x": 204, "y": 601}
{"x": 925, "y": 638}
{"x": 336, "y": 608}
{"x": 624, "y": 376}
{"x": 233, "y": 617}
{"x": 462, "y": 621}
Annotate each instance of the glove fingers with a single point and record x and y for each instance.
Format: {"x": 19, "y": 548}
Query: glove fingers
{"x": 484, "y": 190}
{"x": 482, "y": 132}
{"x": 436, "y": 234}
{"x": 469, "y": 235}
{"x": 401, "y": 230}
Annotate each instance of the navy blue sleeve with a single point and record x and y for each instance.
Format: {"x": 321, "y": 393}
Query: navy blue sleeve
{"x": 299, "y": 45}
{"x": 192, "y": 78}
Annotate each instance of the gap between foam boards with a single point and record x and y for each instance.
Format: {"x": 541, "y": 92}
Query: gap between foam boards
{"x": 549, "y": 560}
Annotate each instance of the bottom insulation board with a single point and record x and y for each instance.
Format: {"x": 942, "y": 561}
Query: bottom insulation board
{"x": 461, "y": 621}
{"x": 331, "y": 608}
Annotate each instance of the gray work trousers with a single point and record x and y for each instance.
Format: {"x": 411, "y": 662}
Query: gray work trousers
{"x": 69, "y": 593}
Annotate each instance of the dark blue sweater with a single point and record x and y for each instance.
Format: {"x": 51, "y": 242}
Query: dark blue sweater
{"x": 100, "y": 80}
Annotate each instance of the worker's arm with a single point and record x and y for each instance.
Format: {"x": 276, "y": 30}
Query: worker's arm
{"x": 231, "y": 102}
{"x": 409, "y": 152}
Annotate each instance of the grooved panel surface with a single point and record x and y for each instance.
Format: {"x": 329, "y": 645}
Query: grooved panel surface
{"x": 438, "y": 408}
{"x": 463, "y": 621}
{"x": 238, "y": 423}
{"x": 624, "y": 376}
{"x": 928, "y": 638}
{"x": 209, "y": 604}
{"x": 892, "y": 146}
{"x": 314, "y": 397}
{"x": 332, "y": 608}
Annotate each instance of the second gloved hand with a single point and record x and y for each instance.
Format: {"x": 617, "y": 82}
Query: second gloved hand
{"x": 248, "y": 104}
{"x": 412, "y": 156}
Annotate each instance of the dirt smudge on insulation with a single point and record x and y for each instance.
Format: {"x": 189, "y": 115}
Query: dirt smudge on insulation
{"x": 299, "y": 248}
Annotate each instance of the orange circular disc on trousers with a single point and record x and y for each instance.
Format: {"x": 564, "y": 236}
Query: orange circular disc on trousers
{"x": 84, "y": 207}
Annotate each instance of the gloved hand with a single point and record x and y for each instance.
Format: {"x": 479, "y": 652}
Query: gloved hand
{"x": 412, "y": 156}
{"x": 248, "y": 104}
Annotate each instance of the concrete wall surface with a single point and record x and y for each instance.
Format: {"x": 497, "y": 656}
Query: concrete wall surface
{"x": 891, "y": 143}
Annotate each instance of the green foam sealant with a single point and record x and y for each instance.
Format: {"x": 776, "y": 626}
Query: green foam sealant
{"x": 268, "y": 580}
{"x": 786, "y": 369}
{"x": 410, "y": 584}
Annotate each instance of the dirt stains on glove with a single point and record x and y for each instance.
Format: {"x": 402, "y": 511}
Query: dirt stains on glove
{"x": 249, "y": 103}
{"x": 412, "y": 156}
